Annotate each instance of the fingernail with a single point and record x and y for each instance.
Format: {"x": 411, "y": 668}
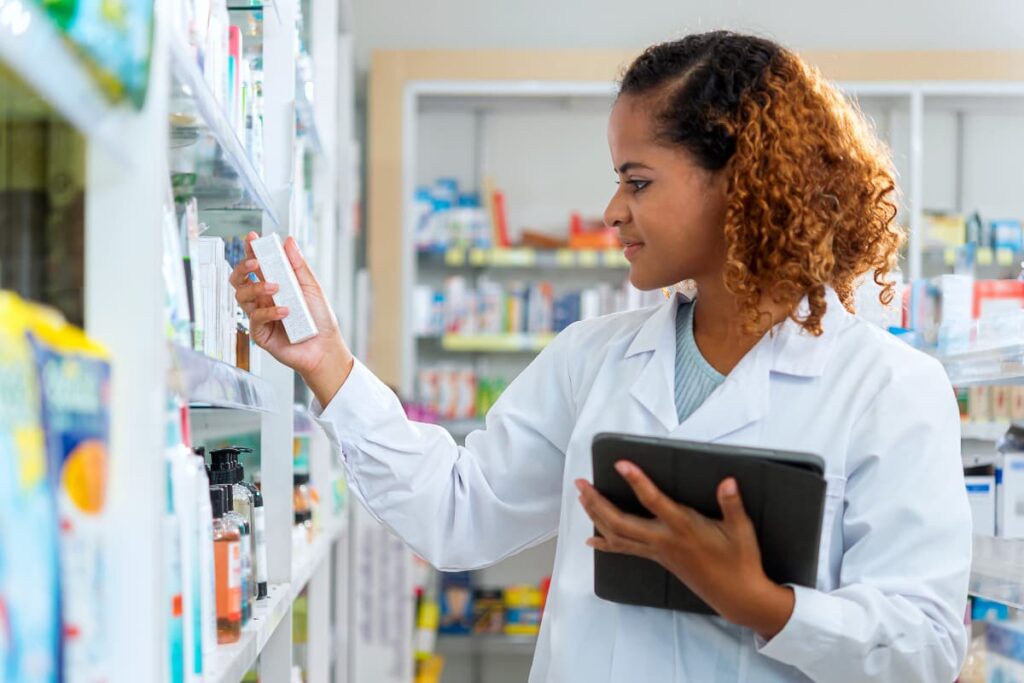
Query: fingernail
{"x": 271, "y": 287}
{"x": 282, "y": 311}
{"x": 624, "y": 468}
{"x": 729, "y": 487}
{"x": 579, "y": 485}
{"x": 590, "y": 542}
{"x": 252, "y": 264}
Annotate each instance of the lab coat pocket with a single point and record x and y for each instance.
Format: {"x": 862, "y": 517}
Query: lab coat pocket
{"x": 830, "y": 551}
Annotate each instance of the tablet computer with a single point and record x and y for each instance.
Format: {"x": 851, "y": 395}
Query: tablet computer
{"x": 783, "y": 493}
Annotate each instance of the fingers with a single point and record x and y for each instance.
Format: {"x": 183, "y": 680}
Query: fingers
{"x": 734, "y": 515}
{"x": 303, "y": 272}
{"x": 621, "y": 546}
{"x": 265, "y": 316}
{"x": 649, "y": 495}
{"x": 255, "y": 295}
{"x": 612, "y": 522}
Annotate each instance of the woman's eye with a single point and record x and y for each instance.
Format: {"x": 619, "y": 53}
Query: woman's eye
{"x": 639, "y": 185}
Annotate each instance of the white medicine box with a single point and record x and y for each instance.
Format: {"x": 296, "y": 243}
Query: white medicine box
{"x": 1010, "y": 496}
{"x": 981, "y": 493}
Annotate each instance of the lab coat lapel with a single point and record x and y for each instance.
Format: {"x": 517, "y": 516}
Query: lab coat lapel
{"x": 652, "y": 387}
{"x": 742, "y": 399}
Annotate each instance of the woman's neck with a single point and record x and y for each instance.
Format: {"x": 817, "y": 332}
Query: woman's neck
{"x": 719, "y": 324}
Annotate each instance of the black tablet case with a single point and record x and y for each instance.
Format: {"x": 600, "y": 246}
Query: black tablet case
{"x": 783, "y": 493}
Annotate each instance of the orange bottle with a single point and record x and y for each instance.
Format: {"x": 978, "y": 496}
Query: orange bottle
{"x": 227, "y": 560}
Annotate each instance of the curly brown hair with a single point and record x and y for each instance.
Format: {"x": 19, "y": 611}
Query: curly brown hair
{"x": 811, "y": 195}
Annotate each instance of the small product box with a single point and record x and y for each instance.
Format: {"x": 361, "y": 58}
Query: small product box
{"x": 1010, "y": 496}
{"x": 1004, "y": 644}
{"x": 981, "y": 493}
{"x": 299, "y": 324}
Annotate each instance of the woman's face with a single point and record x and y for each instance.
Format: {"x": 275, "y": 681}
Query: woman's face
{"x": 669, "y": 211}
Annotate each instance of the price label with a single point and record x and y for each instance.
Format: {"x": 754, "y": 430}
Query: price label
{"x": 455, "y": 257}
{"x": 565, "y": 258}
{"x": 588, "y": 259}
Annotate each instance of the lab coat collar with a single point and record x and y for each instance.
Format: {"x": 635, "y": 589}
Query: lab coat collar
{"x": 786, "y": 349}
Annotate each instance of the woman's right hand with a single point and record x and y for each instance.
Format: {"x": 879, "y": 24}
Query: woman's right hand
{"x": 324, "y": 361}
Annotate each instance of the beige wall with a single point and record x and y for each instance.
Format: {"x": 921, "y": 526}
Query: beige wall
{"x": 391, "y": 70}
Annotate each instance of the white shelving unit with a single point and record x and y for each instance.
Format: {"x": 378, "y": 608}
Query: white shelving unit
{"x": 126, "y": 162}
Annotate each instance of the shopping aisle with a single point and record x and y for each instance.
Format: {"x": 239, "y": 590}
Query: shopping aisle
{"x": 180, "y": 501}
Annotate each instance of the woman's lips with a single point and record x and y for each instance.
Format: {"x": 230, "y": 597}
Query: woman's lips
{"x": 630, "y": 249}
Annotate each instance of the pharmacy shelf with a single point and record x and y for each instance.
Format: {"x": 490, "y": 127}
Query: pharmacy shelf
{"x": 232, "y": 662}
{"x": 191, "y": 78}
{"x": 997, "y": 570}
{"x": 235, "y": 6}
{"x": 486, "y": 645}
{"x": 986, "y": 366}
{"x": 462, "y": 428}
{"x": 309, "y": 558}
{"x": 984, "y": 256}
{"x": 306, "y": 121}
{"x": 524, "y": 258}
{"x": 205, "y": 382}
{"x": 493, "y": 343}
{"x": 33, "y": 48}
{"x": 983, "y": 431}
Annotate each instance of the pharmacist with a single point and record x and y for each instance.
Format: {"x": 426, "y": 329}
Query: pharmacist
{"x": 741, "y": 169}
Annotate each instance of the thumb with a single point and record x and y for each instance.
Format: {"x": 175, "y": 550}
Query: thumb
{"x": 733, "y": 513}
{"x": 303, "y": 273}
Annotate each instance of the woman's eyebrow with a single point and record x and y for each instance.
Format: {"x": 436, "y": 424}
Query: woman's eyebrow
{"x": 631, "y": 165}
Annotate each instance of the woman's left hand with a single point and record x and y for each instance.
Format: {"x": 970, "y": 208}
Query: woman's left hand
{"x": 720, "y": 561}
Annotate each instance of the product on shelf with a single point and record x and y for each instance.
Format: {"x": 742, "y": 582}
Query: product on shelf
{"x": 456, "y": 603}
{"x": 523, "y": 606}
{"x": 488, "y": 611}
{"x": 513, "y": 308}
{"x": 227, "y": 554}
{"x": 74, "y": 381}
{"x": 29, "y": 571}
{"x": 233, "y": 516}
{"x": 303, "y": 506}
{"x": 457, "y": 392}
{"x": 226, "y": 470}
{"x": 981, "y": 494}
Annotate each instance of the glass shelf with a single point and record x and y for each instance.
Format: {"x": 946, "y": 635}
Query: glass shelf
{"x": 493, "y": 343}
{"x": 997, "y": 570}
{"x": 205, "y": 382}
{"x": 524, "y": 257}
{"x": 210, "y": 117}
{"x": 33, "y": 49}
{"x": 486, "y": 645}
{"x": 235, "y": 6}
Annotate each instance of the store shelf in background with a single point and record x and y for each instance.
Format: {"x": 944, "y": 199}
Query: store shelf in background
{"x": 216, "y": 122}
{"x": 462, "y": 428}
{"x": 305, "y": 561}
{"x": 232, "y": 662}
{"x": 205, "y": 382}
{"x": 989, "y": 366}
{"x": 306, "y": 120}
{"x": 32, "y": 47}
{"x": 997, "y": 570}
{"x": 486, "y": 645}
{"x": 983, "y": 431}
{"x": 984, "y": 256}
{"x": 263, "y": 7}
{"x": 493, "y": 343}
{"x": 524, "y": 258}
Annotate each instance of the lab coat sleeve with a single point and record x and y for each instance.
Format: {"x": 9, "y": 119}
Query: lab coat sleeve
{"x": 460, "y": 507}
{"x": 898, "y": 614}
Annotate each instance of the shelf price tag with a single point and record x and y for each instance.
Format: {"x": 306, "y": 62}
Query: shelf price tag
{"x": 588, "y": 258}
{"x": 455, "y": 257}
{"x": 984, "y": 256}
{"x": 1004, "y": 257}
{"x": 514, "y": 257}
{"x": 565, "y": 258}
{"x": 949, "y": 256}
{"x": 478, "y": 257}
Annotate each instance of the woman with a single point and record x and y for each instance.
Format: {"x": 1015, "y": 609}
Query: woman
{"x": 741, "y": 169}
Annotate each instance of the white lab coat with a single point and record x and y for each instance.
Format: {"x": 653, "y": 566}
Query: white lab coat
{"x": 896, "y": 545}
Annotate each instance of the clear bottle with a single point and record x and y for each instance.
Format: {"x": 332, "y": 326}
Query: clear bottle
{"x": 231, "y": 516}
{"x": 303, "y": 505}
{"x": 227, "y": 556}
{"x": 259, "y": 526}
{"x": 225, "y": 469}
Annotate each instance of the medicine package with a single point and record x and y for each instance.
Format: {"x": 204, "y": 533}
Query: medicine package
{"x": 299, "y": 324}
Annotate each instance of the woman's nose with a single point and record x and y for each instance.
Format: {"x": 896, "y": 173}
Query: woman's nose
{"x": 617, "y": 212}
